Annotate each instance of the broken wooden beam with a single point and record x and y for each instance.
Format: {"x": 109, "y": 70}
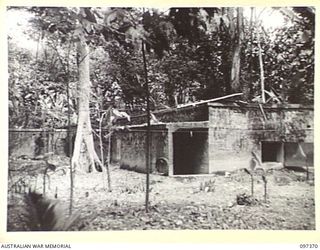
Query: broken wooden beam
{"x": 210, "y": 100}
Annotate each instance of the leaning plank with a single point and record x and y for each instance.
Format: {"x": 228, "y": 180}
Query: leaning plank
{"x": 210, "y": 100}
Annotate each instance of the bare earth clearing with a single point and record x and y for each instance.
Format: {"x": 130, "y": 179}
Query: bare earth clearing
{"x": 196, "y": 202}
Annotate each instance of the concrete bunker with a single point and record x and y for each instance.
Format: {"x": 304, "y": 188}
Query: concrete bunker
{"x": 208, "y": 137}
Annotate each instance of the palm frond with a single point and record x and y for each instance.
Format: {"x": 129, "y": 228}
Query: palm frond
{"x": 48, "y": 215}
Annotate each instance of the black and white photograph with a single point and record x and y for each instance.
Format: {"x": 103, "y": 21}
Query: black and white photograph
{"x": 177, "y": 118}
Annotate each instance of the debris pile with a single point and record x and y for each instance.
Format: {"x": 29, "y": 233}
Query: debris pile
{"x": 247, "y": 200}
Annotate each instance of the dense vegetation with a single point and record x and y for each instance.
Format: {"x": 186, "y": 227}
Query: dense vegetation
{"x": 191, "y": 55}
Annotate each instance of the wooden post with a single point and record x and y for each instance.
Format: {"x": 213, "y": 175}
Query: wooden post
{"x": 148, "y": 128}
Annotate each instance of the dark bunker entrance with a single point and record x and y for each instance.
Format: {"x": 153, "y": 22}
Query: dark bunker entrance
{"x": 190, "y": 151}
{"x": 272, "y": 151}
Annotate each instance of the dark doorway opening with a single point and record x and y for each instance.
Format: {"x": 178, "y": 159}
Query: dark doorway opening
{"x": 272, "y": 151}
{"x": 190, "y": 151}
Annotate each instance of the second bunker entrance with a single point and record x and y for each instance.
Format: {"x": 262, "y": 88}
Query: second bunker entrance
{"x": 190, "y": 151}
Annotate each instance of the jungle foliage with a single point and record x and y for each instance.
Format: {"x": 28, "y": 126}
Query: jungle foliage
{"x": 190, "y": 53}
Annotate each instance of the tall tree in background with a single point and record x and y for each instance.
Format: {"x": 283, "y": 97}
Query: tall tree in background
{"x": 86, "y": 27}
{"x": 84, "y": 137}
{"x": 237, "y": 38}
{"x": 288, "y": 57}
{"x": 217, "y": 33}
{"x": 73, "y": 25}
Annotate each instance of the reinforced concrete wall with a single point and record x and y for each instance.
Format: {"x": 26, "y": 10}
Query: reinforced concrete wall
{"x": 34, "y": 142}
{"x": 222, "y": 143}
{"x": 129, "y": 148}
{"x": 235, "y": 131}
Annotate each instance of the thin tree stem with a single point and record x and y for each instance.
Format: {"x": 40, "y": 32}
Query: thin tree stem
{"x": 69, "y": 135}
{"x": 251, "y": 50}
{"x": 265, "y": 191}
{"x": 148, "y": 128}
{"x": 252, "y": 185}
{"x": 109, "y": 157}
{"x": 101, "y": 146}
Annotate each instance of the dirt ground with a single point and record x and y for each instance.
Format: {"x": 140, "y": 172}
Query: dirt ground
{"x": 194, "y": 202}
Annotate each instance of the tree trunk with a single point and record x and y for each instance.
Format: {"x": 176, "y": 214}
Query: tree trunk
{"x": 248, "y": 88}
{"x": 84, "y": 155}
{"x": 258, "y": 27}
{"x": 236, "y": 53}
